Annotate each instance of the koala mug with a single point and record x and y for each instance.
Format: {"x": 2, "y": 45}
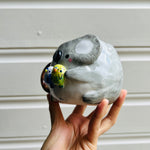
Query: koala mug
{"x": 84, "y": 71}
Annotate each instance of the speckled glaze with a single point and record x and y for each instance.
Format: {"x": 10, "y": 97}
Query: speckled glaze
{"x": 94, "y": 72}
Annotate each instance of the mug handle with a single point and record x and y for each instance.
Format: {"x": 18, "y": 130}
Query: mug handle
{"x": 43, "y": 84}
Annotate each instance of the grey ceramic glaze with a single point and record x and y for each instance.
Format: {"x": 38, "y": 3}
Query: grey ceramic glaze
{"x": 94, "y": 71}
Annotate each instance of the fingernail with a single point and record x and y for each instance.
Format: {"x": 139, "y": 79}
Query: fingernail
{"x": 123, "y": 93}
{"x": 106, "y": 100}
{"x": 126, "y": 91}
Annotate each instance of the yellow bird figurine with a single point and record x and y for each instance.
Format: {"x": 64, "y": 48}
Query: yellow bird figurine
{"x": 57, "y": 75}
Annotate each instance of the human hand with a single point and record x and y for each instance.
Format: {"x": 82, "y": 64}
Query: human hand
{"x": 78, "y": 132}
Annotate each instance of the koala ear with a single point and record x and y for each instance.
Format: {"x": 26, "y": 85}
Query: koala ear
{"x": 84, "y": 46}
{"x": 87, "y": 49}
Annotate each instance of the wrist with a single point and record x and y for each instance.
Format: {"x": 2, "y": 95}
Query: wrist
{"x": 53, "y": 143}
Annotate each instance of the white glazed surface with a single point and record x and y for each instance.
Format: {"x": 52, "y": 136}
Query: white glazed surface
{"x": 89, "y": 83}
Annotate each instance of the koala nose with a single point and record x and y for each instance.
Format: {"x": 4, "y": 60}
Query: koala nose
{"x": 57, "y": 56}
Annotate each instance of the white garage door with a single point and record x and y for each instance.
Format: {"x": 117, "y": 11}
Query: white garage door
{"x": 29, "y": 37}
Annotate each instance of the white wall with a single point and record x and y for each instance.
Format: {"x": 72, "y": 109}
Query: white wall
{"x": 28, "y": 38}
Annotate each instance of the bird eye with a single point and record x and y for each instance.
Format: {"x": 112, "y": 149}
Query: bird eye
{"x": 67, "y": 56}
{"x": 60, "y": 70}
{"x": 57, "y": 56}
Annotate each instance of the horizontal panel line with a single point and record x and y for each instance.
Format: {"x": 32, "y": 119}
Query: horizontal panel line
{"x": 134, "y": 46}
{"x": 54, "y": 47}
{"x": 7, "y": 142}
{"x": 26, "y": 51}
{"x": 44, "y": 55}
{"x": 41, "y": 97}
{"x": 46, "y": 61}
{"x": 75, "y": 4}
{"x": 12, "y": 48}
{"x": 105, "y": 135}
{"x": 47, "y": 49}
{"x": 40, "y": 102}
{"x": 124, "y": 139}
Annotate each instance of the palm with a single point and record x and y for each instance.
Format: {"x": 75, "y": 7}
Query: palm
{"x": 79, "y": 128}
{"x": 78, "y": 132}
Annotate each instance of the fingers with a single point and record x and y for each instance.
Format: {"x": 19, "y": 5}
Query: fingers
{"x": 111, "y": 118}
{"x": 79, "y": 109}
{"x": 92, "y": 113}
{"x": 55, "y": 112}
{"x": 94, "y": 125}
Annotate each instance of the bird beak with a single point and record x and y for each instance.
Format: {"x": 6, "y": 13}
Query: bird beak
{"x": 55, "y": 70}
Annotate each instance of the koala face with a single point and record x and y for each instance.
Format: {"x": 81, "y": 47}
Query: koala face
{"x": 64, "y": 56}
{"x": 81, "y": 51}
